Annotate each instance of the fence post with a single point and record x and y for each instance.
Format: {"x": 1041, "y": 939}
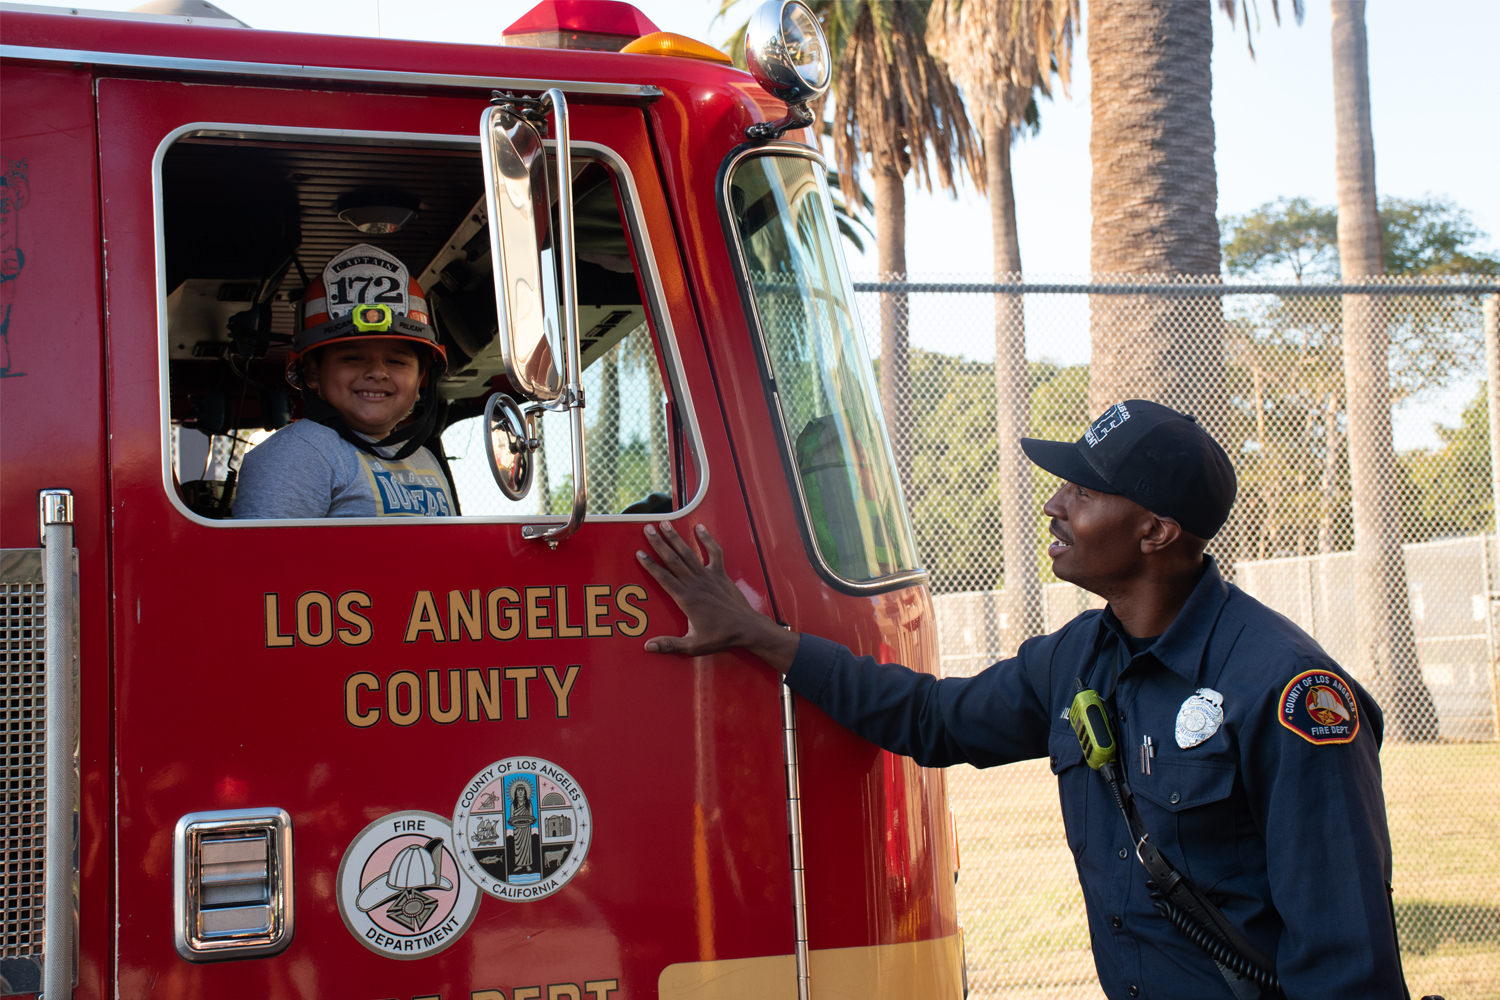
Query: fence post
{"x": 1492, "y": 375}
{"x": 1492, "y": 388}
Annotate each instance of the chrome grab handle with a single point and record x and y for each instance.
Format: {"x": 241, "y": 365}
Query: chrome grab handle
{"x": 572, "y": 394}
{"x": 57, "y": 577}
{"x": 794, "y": 831}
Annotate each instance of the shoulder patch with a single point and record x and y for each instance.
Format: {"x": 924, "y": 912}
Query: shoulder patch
{"x": 1319, "y": 707}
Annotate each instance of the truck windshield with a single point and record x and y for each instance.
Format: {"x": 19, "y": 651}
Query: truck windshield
{"x": 820, "y": 371}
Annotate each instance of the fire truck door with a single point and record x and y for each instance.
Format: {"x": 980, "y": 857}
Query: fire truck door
{"x": 375, "y": 757}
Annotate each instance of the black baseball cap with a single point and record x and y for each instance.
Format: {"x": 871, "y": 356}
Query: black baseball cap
{"x": 1161, "y": 459}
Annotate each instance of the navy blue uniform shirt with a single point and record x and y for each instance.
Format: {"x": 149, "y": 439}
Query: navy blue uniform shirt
{"x": 1279, "y": 815}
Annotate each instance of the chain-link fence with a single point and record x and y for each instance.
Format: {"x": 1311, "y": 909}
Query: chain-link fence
{"x": 1384, "y": 554}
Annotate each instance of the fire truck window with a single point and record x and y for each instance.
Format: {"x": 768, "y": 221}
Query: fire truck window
{"x": 625, "y": 443}
{"x": 250, "y": 225}
{"x": 835, "y": 434}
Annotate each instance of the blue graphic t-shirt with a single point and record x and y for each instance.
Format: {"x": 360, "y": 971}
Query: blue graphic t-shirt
{"x": 306, "y": 470}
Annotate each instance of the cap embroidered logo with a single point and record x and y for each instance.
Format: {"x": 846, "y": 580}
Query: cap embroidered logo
{"x": 1111, "y": 418}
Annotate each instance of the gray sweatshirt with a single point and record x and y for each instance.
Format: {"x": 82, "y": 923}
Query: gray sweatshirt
{"x": 306, "y": 470}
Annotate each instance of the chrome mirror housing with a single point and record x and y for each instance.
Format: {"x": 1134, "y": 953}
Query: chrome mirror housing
{"x": 536, "y": 297}
{"x": 789, "y": 57}
{"x": 521, "y": 246}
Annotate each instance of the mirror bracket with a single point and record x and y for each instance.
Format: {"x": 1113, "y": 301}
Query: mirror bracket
{"x": 797, "y": 115}
{"x": 533, "y": 109}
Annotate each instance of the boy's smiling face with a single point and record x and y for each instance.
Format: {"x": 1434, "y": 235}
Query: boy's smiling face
{"x": 372, "y": 383}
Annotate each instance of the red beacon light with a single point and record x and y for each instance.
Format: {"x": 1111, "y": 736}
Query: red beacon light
{"x": 599, "y": 25}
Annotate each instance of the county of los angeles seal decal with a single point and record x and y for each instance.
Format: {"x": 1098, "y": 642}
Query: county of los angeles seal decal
{"x": 522, "y": 828}
{"x": 1319, "y": 707}
{"x": 399, "y": 888}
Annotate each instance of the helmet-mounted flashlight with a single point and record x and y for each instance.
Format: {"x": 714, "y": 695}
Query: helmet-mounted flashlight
{"x": 376, "y": 318}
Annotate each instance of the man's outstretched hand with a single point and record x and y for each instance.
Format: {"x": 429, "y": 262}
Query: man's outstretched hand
{"x": 719, "y": 616}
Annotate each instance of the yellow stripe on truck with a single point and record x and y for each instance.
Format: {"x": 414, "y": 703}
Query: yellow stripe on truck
{"x": 928, "y": 969}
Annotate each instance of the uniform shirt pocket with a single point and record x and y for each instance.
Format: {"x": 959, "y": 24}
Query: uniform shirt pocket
{"x": 1188, "y": 808}
{"x": 1066, "y": 759}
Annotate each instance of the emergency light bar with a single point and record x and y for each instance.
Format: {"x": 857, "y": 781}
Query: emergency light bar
{"x": 600, "y": 25}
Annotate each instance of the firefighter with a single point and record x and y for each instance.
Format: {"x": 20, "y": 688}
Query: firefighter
{"x": 365, "y": 359}
{"x": 1246, "y": 759}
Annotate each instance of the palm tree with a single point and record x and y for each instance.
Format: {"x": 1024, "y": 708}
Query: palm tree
{"x": 1387, "y": 645}
{"x": 1153, "y": 198}
{"x": 1001, "y": 54}
{"x": 896, "y": 104}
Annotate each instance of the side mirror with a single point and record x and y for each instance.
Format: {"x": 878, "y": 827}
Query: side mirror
{"x": 789, "y": 57}
{"x": 521, "y": 248}
{"x": 535, "y": 284}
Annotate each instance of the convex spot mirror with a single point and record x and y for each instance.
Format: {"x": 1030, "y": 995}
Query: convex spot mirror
{"x": 510, "y": 447}
{"x": 787, "y": 53}
{"x": 522, "y": 250}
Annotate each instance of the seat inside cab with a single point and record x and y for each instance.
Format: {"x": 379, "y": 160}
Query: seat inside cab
{"x": 248, "y": 223}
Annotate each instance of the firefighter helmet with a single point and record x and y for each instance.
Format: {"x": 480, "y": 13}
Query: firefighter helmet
{"x": 364, "y": 293}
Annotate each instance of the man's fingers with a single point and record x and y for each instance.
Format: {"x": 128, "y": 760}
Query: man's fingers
{"x": 678, "y": 644}
{"x": 714, "y": 550}
{"x": 659, "y": 573}
{"x": 681, "y": 546}
{"x": 670, "y": 560}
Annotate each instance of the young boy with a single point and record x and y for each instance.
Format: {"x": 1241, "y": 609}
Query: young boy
{"x": 365, "y": 358}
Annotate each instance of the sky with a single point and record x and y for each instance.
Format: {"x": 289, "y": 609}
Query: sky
{"x": 1437, "y": 130}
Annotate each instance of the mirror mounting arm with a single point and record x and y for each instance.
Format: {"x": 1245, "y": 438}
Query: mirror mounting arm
{"x": 572, "y": 389}
{"x": 797, "y": 115}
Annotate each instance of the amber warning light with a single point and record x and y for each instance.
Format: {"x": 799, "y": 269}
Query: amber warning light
{"x": 600, "y": 25}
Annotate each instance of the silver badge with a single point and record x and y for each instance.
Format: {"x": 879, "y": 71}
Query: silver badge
{"x": 1199, "y": 717}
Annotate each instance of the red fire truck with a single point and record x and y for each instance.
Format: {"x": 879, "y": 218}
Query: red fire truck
{"x": 424, "y": 756}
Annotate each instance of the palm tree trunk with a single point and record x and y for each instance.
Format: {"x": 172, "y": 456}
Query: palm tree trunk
{"x": 1331, "y": 441}
{"x": 895, "y": 377}
{"x": 1387, "y": 644}
{"x": 604, "y": 449}
{"x": 661, "y": 469}
{"x": 1154, "y": 194}
{"x": 1023, "y": 591}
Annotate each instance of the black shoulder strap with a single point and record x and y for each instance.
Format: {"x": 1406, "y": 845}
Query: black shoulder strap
{"x": 415, "y": 434}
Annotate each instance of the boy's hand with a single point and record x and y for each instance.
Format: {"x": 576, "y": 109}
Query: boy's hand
{"x": 719, "y": 616}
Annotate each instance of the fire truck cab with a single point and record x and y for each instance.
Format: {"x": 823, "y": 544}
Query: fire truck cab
{"x": 426, "y": 755}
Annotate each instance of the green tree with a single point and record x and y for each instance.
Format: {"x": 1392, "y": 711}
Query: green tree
{"x": 1426, "y": 237}
{"x": 1286, "y": 234}
{"x": 1449, "y": 487}
{"x": 1432, "y": 237}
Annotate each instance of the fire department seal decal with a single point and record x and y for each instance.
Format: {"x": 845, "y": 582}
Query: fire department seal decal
{"x": 1320, "y": 707}
{"x": 400, "y": 890}
{"x": 522, "y": 828}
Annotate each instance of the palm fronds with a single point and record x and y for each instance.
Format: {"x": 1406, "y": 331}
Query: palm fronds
{"x": 894, "y": 101}
{"x": 1002, "y": 51}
